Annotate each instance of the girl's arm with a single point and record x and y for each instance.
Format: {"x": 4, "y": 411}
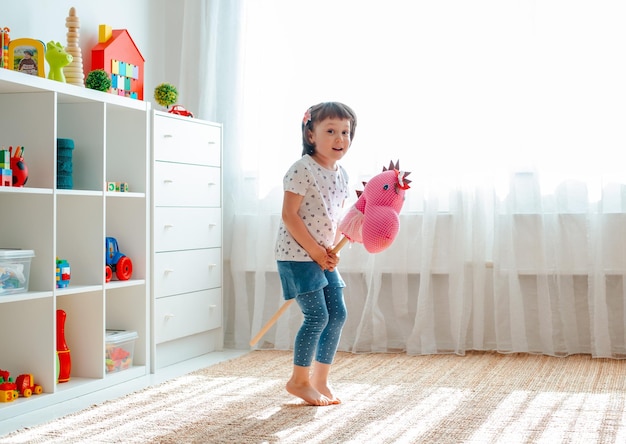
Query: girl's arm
{"x": 295, "y": 225}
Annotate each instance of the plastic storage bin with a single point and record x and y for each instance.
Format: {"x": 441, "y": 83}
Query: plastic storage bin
{"x": 120, "y": 348}
{"x": 14, "y": 270}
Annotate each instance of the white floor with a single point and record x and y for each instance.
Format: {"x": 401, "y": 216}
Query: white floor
{"x": 56, "y": 411}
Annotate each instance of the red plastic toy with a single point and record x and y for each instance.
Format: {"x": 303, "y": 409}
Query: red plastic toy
{"x": 26, "y": 386}
{"x": 117, "y": 262}
{"x": 8, "y": 389}
{"x": 181, "y": 111}
{"x": 19, "y": 168}
{"x": 63, "y": 351}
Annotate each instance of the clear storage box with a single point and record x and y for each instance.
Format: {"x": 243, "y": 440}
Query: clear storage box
{"x": 14, "y": 270}
{"x": 120, "y": 348}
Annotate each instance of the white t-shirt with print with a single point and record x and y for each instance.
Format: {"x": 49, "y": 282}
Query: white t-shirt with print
{"x": 324, "y": 192}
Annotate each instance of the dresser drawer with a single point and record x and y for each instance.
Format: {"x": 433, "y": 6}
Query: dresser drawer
{"x": 186, "y": 271}
{"x": 184, "y": 185}
{"x": 186, "y": 141}
{"x": 187, "y": 314}
{"x": 187, "y": 228}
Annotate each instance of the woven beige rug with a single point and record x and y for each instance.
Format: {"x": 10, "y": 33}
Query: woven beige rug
{"x": 387, "y": 398}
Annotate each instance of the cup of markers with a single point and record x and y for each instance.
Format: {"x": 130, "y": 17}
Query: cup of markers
{"x": 18, "y": 167}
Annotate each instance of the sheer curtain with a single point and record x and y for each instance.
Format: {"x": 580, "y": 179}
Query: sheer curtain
{"x": 509, "y": 116}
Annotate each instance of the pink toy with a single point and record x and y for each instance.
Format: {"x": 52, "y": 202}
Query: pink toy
{"x": 373, "y": 220}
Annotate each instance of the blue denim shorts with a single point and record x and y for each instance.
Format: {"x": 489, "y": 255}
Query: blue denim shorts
{"x": 305, "y": 277}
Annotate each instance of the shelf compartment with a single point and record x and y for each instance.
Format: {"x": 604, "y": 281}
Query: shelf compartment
{"x": 80, "y": 238}
{"x": 24, "y": 350}
{"x": 126, "y": 221}
{"x": 28, "y": 121}
{"x": 122, "y": 306}
{"x": 126, "y": 156}
{"x": 84, "y": 124}
{"x": 27, "y": 232}
{"x": 84, "y": 332}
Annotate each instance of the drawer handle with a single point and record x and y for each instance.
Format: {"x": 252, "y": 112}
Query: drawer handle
{"x": 167, "y": 136}
{"x": 212, "y": 265}
{"x": 212, "y": 307}
{"x": 211, "y": 184}
{"x": 168, "y": 181}
{"x": 212, "y": 142}
{"x": 212, "y": 225}
{"x": 168, "y": 270}
{"x": 168, "y": 226}
{"x": 169, "y": 316}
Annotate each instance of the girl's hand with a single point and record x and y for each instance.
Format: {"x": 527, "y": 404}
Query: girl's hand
{"x": 333, "y": 260}
{"x": 325, "y": 259}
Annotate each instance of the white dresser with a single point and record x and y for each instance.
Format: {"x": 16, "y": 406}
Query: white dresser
{"x": 186, "y": 238}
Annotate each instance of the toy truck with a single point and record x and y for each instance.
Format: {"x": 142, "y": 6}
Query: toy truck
{"x": 23, "y": 386}
{"x": 26, "y": 386}
{"x": 116, "y": 262}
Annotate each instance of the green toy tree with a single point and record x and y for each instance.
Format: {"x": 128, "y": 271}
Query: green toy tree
{"x": 165, "y": 94}
{"x": 99, "y": 80}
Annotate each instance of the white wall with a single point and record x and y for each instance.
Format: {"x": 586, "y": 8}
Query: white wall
{"x": 144, "y": 20}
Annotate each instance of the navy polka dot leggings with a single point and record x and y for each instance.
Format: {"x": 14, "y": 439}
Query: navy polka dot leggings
{"x": 324, "y": 315}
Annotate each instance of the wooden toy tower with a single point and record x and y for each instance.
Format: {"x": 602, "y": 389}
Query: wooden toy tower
{"x": 73, "y": 72}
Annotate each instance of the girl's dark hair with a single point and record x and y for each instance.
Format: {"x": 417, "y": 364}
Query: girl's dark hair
{"x": 321, "y": 111}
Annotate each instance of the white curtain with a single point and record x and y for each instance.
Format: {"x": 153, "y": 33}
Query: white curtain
{"x": 509, "y": 115}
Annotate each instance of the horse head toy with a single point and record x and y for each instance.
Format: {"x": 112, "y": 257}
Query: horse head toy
{"x": 374, "y": 220}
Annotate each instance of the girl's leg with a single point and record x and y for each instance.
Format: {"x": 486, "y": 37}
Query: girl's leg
{"x": 313, "y": 306}
{"x": 329, "y": 341}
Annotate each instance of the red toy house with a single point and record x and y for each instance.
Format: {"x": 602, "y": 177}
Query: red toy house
{"x": 117, "y": 54}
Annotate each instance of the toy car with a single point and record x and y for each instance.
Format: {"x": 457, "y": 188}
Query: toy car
{"x": 181, "y": 111}
{"x": 26, "y": 385}
{"x": 116, "y": 262}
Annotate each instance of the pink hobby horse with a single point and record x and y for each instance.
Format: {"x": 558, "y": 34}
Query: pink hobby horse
{"x": 373, "y": 220}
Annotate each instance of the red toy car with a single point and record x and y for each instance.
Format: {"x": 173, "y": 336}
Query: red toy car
{"x": 26, "y": 385}
{"x": 181, "y": 111}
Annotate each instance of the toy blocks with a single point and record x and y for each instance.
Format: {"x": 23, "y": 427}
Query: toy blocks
{"x": 6, "y": 176}
{"x": 63, "y": 273}
{"x": 121, "y": 187}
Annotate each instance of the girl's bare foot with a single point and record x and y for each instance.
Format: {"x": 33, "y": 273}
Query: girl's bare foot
{"x": 319, "y": 380}
{"x": 326, "y": 391}
{"x": 307, "y": 393}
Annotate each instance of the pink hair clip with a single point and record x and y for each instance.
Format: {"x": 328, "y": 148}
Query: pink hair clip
{"x": 307, "y": 117}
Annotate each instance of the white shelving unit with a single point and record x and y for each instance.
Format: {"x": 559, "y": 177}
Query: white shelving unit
{"x": 187, "y": 238}
{"x": 112, "y": 142}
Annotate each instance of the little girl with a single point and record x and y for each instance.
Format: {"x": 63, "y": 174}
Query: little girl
{"x": 315, "y": 188}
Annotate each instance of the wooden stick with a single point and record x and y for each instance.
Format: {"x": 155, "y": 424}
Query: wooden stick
{"x": 287, "y": 304}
